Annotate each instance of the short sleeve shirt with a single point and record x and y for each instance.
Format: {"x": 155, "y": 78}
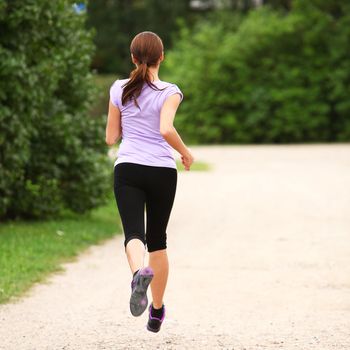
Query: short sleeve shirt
{"x": 142, "y": 142}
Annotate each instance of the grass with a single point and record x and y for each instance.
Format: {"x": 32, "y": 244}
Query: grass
{"x": 104, "y": 81}
{"x": 29, "y": 251}
{"x": 196, "y": 166}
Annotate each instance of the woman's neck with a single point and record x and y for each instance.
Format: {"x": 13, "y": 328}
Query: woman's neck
{"x": 153, "y": 73}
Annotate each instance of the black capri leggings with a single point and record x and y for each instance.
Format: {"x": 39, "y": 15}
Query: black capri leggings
{"x": 137, "y": 185}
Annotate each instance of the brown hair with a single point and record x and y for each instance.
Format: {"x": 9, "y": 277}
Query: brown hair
{"x": 146, "y": 47}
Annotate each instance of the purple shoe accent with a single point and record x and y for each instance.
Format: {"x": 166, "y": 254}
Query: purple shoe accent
{"x": 156, "y": 318}
{"x": 146, "y": 271}
{"x": 154, "y": 323}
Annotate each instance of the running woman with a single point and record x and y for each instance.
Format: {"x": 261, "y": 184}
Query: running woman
{"x": 141, "y": 112}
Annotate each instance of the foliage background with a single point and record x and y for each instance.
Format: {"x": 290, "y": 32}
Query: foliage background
{"x": 52, "y": 153}
{"x": 274, "y": 73}
{"x": 118, "y": 21}
{"x": 271, "y": 76}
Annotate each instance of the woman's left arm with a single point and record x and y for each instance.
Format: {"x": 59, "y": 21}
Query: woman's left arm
{"x": 113, "y": 128}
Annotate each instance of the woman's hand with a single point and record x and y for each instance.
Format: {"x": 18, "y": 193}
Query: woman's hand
{"x": 187, "y": 159}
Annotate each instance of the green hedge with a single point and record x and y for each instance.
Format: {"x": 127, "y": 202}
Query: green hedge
{"x": 273, "y": 77}
{"x": 52, "y": 154}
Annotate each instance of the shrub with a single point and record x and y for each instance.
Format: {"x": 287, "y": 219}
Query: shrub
{"x": 275, "y": 78}
{"x": 52, "y": 154}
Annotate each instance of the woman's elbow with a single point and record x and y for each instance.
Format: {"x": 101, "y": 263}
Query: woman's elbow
{"x": 110, "y": 141}
{"x": 166, "y": 132}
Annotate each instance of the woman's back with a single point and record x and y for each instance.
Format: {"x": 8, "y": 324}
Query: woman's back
{"x": 142, "y": 142}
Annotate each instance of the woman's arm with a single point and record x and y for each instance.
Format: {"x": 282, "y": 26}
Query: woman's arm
{"x": 169, "y": 132}
{"x": 113, "y": 128}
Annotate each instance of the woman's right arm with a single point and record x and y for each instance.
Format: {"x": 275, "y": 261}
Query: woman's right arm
{"x": 113, "y": 128}
{"x": 169, "y": 132}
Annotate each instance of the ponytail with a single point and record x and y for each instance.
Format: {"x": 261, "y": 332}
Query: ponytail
{"x": 149, "y": 47}
{"x": 132, "y": 89}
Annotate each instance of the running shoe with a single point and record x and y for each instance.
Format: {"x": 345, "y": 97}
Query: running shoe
{"x": 154, "y": 323}
{"x": 139, "y": 285}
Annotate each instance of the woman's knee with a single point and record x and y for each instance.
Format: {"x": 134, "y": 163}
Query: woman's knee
{"x": 134, "y": 238}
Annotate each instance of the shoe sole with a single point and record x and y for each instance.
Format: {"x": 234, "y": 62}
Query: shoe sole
{"x": 138, "y": 299}
{"x": 153, "y": 330}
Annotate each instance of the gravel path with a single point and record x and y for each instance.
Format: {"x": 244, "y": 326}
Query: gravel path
{"x": 260, "y": 259}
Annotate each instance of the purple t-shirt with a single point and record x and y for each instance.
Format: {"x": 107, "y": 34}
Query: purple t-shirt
{"x": 142, "y": 142}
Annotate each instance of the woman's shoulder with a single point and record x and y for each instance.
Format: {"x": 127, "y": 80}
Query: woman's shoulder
{"x": 115, "y": 91}
{"x": 169, "y": 88}
{"x": 120, "y": 82}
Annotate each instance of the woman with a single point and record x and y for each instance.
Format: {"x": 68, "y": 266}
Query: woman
{"x": 141, "y": 111}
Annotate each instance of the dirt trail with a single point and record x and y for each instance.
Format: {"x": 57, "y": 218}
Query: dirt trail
{"x": 260, "y": 259}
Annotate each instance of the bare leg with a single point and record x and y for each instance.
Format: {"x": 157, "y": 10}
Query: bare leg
{"x": 158, "y": 261}
{"x": 135, "y": 252}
